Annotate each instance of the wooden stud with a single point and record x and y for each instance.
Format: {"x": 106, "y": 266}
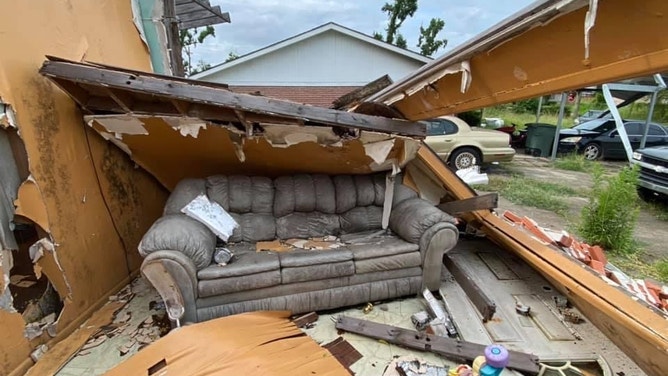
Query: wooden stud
{"x": 484, "y": 202}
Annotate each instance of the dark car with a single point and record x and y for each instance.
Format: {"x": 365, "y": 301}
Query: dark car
{"x": 599, "y": 138}
{"x": 653, "y": 181}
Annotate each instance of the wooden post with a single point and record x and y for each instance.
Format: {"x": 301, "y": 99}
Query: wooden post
{"x": 172, "y": 28}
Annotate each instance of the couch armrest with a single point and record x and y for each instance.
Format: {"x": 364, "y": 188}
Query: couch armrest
{"x": 434, "y": 243}
{"x": 174, "y": 275}
{"x": 419, "y": 222}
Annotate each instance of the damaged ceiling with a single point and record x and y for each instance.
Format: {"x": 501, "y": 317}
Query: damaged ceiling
{"x": 177, "y": 128}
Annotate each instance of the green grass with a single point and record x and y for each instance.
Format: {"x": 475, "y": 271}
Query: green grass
{"x": 635, "y": 267}
{"x": 573, "y": 162}
{"x": 530, "y": 192}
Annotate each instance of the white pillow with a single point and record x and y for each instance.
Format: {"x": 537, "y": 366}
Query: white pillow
{"x": 211, "y": 215}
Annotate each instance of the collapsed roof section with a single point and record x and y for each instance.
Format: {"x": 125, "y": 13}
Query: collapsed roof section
{"x": 177, "y": 128}
{"x": 549, "y": 47}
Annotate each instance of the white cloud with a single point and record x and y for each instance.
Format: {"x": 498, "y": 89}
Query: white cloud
{"x": 259, "y": 23}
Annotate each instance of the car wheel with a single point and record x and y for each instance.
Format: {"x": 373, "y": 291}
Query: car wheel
{"x": 464, "y": 158}
{"x": 592, "y": 151}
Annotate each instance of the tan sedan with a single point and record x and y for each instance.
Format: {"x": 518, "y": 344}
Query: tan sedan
{"x": 462, "y": 146}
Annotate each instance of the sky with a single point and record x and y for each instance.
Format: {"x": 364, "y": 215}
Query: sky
{"x": 259, "y": 23}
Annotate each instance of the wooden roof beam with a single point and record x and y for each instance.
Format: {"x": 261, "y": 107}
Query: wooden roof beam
{"x": 166, "y": 89}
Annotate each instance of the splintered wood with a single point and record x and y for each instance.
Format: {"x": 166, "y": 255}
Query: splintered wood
{"x": 265, "y": 343}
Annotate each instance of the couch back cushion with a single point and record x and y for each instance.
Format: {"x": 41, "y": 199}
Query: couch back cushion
{"x": 307, "y": 225}
{"x": 304, "y": 193}
{"x": 242, "y": 194}
{"x": 361, "y": 218}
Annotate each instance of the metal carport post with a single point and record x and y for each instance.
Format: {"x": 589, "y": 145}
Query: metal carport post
{"x": 607, "y": 94}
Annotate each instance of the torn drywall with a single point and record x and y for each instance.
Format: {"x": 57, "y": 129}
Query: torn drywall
{"x": 30, "y": 204}
{"x": 186, "y": 126}
{"x": 284, "y": 136}
{"x": 118, "y": 124}
{"x": 590, "y": 21}
{"x": 378, "y": 151}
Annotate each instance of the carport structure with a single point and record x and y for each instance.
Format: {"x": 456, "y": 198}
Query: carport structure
{"x": 550, "y": 47}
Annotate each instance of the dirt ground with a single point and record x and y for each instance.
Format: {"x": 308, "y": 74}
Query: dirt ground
{"x": 650, "y": 232}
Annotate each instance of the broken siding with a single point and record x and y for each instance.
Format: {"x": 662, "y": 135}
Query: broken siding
{"x": 66, "y": 196}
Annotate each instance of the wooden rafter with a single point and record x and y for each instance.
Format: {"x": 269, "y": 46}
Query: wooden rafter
{"x": 121, "y": 87}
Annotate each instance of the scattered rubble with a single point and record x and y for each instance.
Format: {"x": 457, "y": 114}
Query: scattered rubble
{"x": 594, "y": 257}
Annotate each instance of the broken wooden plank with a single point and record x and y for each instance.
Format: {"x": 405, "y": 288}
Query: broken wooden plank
{"x": 359, "y": 94}
{"x": 167, "y": 89}
{"x": 344, "y": 352}
{"x": 484, "y": 202}
{"x": 449, "y": 348}
{"x": 54, "y": 359}
{"x": 478, "y": 297}
{"x": 305, "y": 320}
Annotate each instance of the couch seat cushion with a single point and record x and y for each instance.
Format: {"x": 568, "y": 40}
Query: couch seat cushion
{"x": 381, "y": 246}
{"x": 400, "y": 261}
{"x": 243, "y": 263}
{"x": 221, "y": 286}
{"x": 317, "y": 272}
{"x": 297, "y": 258}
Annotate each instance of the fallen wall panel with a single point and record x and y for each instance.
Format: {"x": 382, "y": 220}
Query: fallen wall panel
{"x": 640, "y": 332}
{"x": 64, "y": 197}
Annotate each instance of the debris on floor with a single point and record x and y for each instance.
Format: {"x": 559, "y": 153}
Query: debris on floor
{"x": 412, "y": 366}
{"x": 225, "y": 346}
{"x": 451, "y": 349}
{"x": 473, "y": 176}
{"x": 344, "y": 352}
{"x": 306, "y": 321}
{"x": 649, "y": 291}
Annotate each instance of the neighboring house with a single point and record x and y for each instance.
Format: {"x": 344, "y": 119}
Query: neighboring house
{"x": 315, "y": 67}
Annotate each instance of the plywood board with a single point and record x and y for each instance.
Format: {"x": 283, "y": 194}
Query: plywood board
{"x": 255, "y": 343}
{"x": 54, "y": 359}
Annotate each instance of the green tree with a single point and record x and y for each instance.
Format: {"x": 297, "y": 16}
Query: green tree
{"x": 397, "y": 12}
{"x": 190, "y": 38}
{"x": 428, "y": 42}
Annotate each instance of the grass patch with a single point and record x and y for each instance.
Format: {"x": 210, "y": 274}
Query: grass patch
{"x": 610, "y": 216}
{"x": 530, "y": 192}
{"x": 635, "y": 267}
{"x": 662, "y": 270}
{"x": 573, "y": 162}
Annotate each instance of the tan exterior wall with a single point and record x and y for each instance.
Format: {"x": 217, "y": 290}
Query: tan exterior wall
{"x": 86, "y": 192}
